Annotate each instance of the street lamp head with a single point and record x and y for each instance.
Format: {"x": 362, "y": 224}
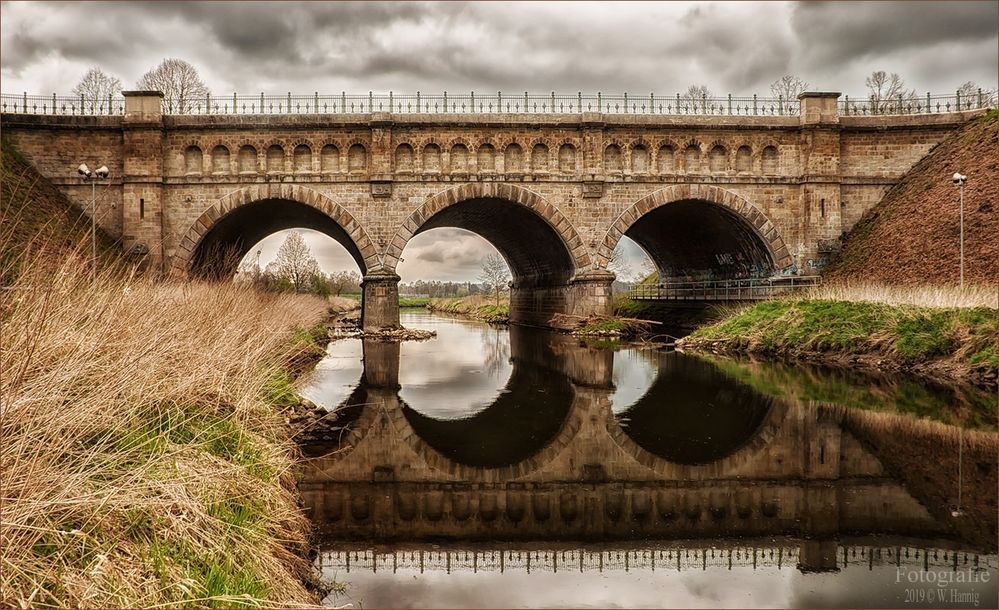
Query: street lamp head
{"x": 83, "y": 170}
{"x": 959, "y": 178}
{"x": 103, "y": 172}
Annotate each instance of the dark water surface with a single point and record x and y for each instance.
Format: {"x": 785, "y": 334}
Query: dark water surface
{"x": 495, "y": 467}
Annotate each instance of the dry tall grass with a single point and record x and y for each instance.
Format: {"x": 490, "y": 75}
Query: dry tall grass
{"x": 140, "y": 462}
{"x": 924, "y": 296}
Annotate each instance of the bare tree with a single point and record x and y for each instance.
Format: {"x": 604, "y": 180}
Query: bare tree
{"x": 343, "y": 280}
{"x": 694, "y": 97}
{"x": 178, "y": 80}
{"x": 294, "y": 262}
{"x": 788, "y": 87}
{"x": 969, "y": 93}
{"x": 887, "y": 89}
{"x": 495, "y": 273}
{"x": 97, "y": 87}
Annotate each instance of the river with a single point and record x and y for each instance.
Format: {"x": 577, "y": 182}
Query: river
{"x": 514, "y": 467}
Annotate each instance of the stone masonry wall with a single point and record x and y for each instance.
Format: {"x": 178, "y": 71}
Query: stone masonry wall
{"x": 810, "y": 181}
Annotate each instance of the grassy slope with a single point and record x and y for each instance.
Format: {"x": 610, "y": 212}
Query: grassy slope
{"x": 957, "y": 342}
{"x": 36, "y": 218}
{"x": 145, "y": 459}
{"x": 911, "y": 236}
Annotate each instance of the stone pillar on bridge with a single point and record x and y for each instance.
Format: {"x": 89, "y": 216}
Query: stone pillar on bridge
{"x": 590, "y": 293}
{"x": 142, "y": 182}
{"x": 380, "y": 300}
{"x": 820, "y": 220}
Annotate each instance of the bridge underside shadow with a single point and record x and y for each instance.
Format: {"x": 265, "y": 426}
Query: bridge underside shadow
{"x": 218, "y": 254}
{"x": 698, "y": 240}
{"x": 544, "y": 274}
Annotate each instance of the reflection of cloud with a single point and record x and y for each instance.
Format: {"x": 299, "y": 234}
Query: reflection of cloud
{"x": 457, "y": 374}
{"x": 634, "y": 373}
{"x": 613, "y": 588}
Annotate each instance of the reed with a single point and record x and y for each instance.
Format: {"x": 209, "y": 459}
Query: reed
{"x": 141, "y": 463}
{"x": 936, "y": 296}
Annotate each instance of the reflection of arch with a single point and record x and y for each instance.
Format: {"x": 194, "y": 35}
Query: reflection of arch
{"x": 309, "y": 208}
{"x": 354, "y": 418}
{"x": 545, "y": 211}
{"x": 734, "y": 203}
{"x": 746, "y": 452}
{"x": 438, "y": 461}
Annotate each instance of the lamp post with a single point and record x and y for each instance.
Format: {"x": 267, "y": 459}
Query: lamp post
{"x": 101, "y": 174}
{"x": 959, "y": 180}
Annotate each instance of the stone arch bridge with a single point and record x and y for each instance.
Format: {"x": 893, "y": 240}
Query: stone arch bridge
{"x": 707, "y": 197}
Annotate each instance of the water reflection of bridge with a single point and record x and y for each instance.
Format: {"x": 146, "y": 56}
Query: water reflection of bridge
{"x": 773, "y": 470}
{"x": 648, "y": 559}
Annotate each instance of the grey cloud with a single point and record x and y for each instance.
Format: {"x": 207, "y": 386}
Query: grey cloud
{"x": 731, "y": 47}
{"x": 841, "y": 31}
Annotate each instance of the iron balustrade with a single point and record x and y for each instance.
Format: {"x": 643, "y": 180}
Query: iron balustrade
{"x": 723, "y": 290}
{"x": 913, "y": 104}
{"x": 477, "y": 103}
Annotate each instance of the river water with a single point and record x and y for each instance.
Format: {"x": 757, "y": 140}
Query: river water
{"x": 512, "y": 467}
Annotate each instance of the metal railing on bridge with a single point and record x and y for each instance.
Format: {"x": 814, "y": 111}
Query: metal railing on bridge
{"x": 914, "y": 104}
{"x": 477, "y": 103}
{"x": 723, "y": 290}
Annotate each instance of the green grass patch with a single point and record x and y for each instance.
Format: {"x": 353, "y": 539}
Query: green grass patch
{"x": 488, "y": 312}
{"x": 914, "y": 334}
{"x": 413, "y": 301}
{"x": 226, "y": 582}
{"x": 604, "y": 326}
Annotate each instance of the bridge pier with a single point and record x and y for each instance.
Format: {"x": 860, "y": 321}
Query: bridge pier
{"x": 379, "y": 300}
{"x": 590, "y": 293}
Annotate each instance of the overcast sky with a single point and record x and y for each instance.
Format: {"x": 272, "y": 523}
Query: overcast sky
{"x": 276, "y": 47}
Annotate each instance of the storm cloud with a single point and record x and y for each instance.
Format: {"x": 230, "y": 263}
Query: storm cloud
{"x": 302, "y": 47}
{"x": 640, "y": 47}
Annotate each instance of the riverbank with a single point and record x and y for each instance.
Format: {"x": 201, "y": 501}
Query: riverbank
{"x": 146, "y": 460}
{"x": 947, "y": 343}
{"x": 476, "y": 308}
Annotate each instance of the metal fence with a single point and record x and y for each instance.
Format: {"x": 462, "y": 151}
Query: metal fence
{"x": 476, "y": 103}
{"x": 931, "y": 104}
{"x": 722, "y": 290}
{"x": 66, "y": 105}
{"x": 418, "y": 103}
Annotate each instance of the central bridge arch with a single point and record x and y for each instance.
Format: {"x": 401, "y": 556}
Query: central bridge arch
{"x": 540, "y": 245}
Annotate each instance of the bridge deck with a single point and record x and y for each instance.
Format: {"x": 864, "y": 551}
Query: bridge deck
{"x": 723, "y": 290}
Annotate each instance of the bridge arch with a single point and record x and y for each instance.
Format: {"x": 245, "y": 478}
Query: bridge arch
{"x": 526, "y": 263}
{"x": 225, "y": 232}
{"x": 726, "y": 227}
